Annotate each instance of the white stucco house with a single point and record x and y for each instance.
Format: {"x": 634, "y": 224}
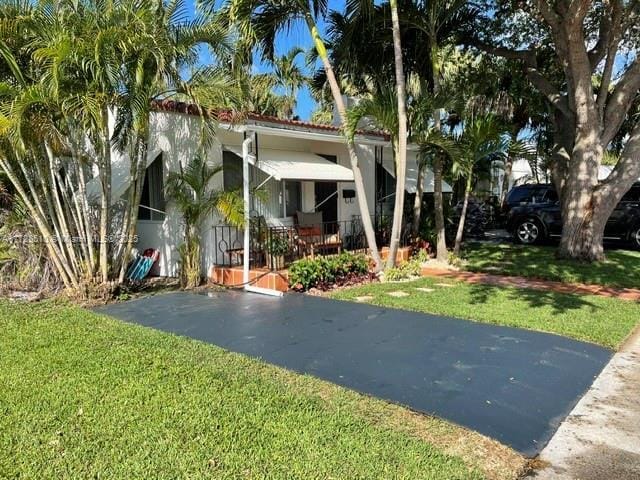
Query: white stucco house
{"x": 522, "y": 173}
{"x": 300, "y": 167}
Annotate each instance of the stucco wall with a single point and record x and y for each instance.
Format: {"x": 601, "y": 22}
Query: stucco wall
{"x": 177, "y": 137}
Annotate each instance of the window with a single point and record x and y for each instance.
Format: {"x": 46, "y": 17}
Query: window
{"x": 231, "y": 171}
{"x": 551, "y": 196}
{"x": 152, "y": 202}
{"x": 293, "y": 197}
{"x": 386, "y": 184}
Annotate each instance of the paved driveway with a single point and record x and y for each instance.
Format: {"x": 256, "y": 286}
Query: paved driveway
{"x": 510, "y": 384}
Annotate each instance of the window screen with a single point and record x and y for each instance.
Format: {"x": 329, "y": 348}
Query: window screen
{"x": 152, "y": 202}
{"x": 232, "y": 171}
{"x": 293, "y": 197}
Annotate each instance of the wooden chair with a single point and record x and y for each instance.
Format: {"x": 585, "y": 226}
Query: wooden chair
{"x": 313, "y": 237}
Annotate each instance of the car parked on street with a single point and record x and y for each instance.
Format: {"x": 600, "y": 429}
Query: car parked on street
{"x": 533, "y": 215}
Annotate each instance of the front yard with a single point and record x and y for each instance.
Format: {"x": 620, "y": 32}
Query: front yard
{"x": 605, "y": 321}
{"x": 85, "y": 396}
{"x": 621, "y": 269}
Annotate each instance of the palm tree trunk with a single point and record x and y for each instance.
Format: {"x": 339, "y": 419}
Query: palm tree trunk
{"x": 59, "y": 210}
{"x": 82, "y": 204}
{"x": 138, "y": 168}
{"x": 41, "y": 217}
{"x": 417, "y": 203}
{"x": 367, "y": 224}
{"x": 58, "y": 260}
{"x": 438, "y": 204}
{"x": 463, "y": 216}
{"x": 508, "y": 167}
{"x": 105, "y": 196}
{"x": 401, "y": 157}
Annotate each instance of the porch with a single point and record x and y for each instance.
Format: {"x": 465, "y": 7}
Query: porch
{"x": 278, "y": 242}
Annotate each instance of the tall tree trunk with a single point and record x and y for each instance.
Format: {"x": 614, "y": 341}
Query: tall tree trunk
{"x": 463, "y": 216}
{"x": 417, "y": 202}
{"x": 62, "y": 268}
{"x": 105, "y": 195}
{"x": 442, "y": 253}
{"x": 137, "y": 169}
{"x": 583, "y": 218}
{"x": 401, "y": 156}
{"x": 367, "y": 224}
{"x": 506, "y": 179}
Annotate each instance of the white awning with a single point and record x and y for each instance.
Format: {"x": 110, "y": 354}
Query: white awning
{"x": 120, "y": 178}
{"x": 412, "y": 179}
{"x": 287, "y": 165}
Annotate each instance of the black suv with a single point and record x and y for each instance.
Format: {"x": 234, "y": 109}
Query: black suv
{"x": 533, "y": 215}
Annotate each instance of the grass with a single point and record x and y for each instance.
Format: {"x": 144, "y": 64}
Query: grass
{"x": 605, "y": 321}
{"x": 86, "y": 396}
{"x": 621, "y": 269}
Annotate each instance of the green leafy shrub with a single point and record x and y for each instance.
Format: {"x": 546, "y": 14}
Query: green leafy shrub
{"x": 277, "y": 245}
{"x": 404, "y": 270}
{"x": 324, "y": 271}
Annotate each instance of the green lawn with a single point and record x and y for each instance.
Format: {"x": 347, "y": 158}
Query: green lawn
{"x": 601, "y": 320}
{"x": 85, "y": 396}
{"x": 621, "y": 269}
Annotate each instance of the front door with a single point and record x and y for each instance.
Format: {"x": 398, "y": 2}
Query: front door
{"x": 326, "y": 198}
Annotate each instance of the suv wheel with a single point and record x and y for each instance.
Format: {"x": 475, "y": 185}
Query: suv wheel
{"x": 634, "y": 236}
{"x": 528, "y": 232}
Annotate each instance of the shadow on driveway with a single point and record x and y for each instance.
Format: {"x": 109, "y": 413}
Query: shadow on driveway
{"x": 510, "y": 384}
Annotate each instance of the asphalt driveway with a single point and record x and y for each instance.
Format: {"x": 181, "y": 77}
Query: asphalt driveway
{"x": 510, "y": 384}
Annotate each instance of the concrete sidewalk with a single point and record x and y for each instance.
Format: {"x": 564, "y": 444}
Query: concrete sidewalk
{"x": 600, "y": 439}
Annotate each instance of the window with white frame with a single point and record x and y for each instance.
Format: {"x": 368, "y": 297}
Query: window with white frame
{"x": 152, "y": 202}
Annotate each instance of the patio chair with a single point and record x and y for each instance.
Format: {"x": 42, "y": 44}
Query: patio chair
{"x": 141, "y": 265}
{"x": 313, "y": 236}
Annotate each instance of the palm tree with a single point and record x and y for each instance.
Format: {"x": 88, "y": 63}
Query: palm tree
{"x": 362, "y": 49}
{"x": 401, "y": 159}
{"x": 71, "y": 64}
{"x": 440, "y": 21}
{"x": 262, "y": 20}
{"x": 189, "y": 189}
{"x": 482, "y": 140}
{"x": 290, "y": 77}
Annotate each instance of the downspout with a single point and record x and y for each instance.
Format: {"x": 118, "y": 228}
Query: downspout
{"x": 246, "y": 144}
{"x": 246, "y": 160}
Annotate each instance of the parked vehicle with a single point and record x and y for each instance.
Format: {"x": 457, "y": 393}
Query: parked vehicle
{"x": 476, "y": 221}
{"x": 533, "y": 215}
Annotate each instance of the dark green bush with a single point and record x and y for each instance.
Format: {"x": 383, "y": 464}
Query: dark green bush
{"x": 322, "y": 271}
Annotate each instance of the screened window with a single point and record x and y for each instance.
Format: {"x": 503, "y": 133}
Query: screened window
{"x": 152, "y": 202}
{"x": 231, "y": 171}
{"x": 293, "y": 197}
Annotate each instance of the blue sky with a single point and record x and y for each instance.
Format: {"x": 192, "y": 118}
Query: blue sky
{"x": 299, "y": 36}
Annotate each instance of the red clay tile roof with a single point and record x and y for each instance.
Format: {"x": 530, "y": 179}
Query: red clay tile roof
{"x": 228, "y": 116}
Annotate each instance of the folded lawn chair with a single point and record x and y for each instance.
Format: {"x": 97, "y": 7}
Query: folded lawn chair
{"x": 142, "y": 264}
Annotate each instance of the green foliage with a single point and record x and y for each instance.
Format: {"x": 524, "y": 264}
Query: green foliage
{"x": 86, "y": 396}
{"x": 322, "y": 271}
{"x": 189, "y": 189}
{"x": 65, "y": 67}
{"x": 405, "y": 270}
{"x": 277, "y": 244}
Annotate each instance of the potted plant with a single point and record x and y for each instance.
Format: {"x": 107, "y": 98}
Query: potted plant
{"x": 277, "y": 247}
